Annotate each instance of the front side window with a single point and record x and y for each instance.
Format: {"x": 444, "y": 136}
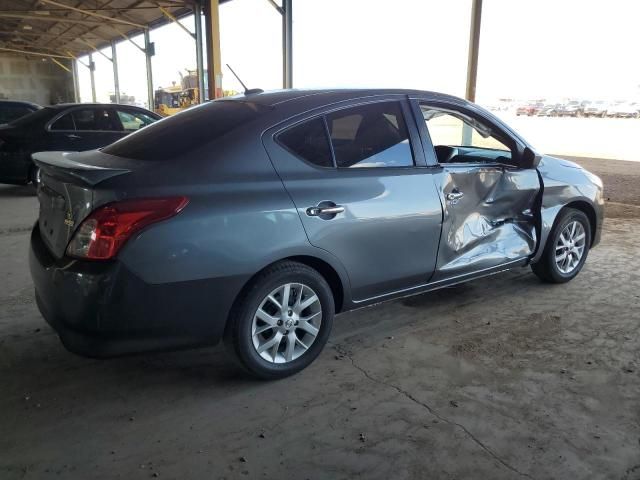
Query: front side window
{"x": 373, "y": 135}
{"x": 458, "y": 137}
{"x": 309, "y": 141}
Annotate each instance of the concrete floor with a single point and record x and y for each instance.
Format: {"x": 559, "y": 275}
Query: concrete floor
{"x": 504, "y": 377}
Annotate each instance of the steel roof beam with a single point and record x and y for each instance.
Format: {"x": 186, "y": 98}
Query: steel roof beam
{"x": 38, "y": 54}
{"x": 168, "y": 14}
{"x": 38, "y": 35}
{"x": 48, "y": 18}
{"x": 94, "y": 14}
{"x": 93, "y": 47}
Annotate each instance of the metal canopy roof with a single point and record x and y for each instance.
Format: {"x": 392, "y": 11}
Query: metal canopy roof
{"x": 69, "y": 28}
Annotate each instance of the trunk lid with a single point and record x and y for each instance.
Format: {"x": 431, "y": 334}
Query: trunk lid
{"x": 67, "y": 191}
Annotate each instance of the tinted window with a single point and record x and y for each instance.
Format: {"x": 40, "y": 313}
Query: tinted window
{"x": 100, "y": 119}
{"x": 41, "y": 115}
{"x": 87, "y": 119}
{"x": 186, "y": 131}
{"x": 372, "y": 135}
{"x": 65, "y": 122}
{"x": 309, "y": 141}
{"x": 132, "y": 120}
{"x": 9, "y": 113}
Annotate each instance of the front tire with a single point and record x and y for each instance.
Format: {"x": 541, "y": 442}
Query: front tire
{"x": 566, "y": 249}
{"x": 282, "y": 321}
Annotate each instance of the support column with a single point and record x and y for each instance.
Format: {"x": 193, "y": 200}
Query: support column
{"x": 287, "y": 43}
{"x": 114, "y": 64}
{"x": 149, "y": 51}
{"x": 474, "y": 48}
{"x": 197, "y": 15}
{"x": 214, "y": 61}
{"x": 76, "y": 84}
{"x": 92, "y": 69}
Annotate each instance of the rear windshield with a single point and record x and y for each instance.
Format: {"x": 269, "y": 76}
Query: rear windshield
{"x": 41, "y": 115}
{"x": 11, "y": 112}
{"x": 185, "y": 131}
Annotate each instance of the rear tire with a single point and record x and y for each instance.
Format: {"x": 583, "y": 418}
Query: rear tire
{"x": 563, "y": 258}
{"x": 281, "y": 322}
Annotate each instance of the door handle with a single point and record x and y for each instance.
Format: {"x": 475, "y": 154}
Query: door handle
{"x": 318, "y": 211}
{"x": 455, "y": 195}
{"x": 73, "y": 136}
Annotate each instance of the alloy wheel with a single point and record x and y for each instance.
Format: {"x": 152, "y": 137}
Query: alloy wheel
{"x": 286, "y": 323}
{"x": 570, "y": 247}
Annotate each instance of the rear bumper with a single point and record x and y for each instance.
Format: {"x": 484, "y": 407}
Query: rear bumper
{"x": 102, "y": 309}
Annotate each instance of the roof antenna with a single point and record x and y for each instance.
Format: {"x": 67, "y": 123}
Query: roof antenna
{"x": 247, "y": 91}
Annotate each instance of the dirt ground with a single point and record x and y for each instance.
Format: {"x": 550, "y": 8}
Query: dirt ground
{"x": 501, "y": 378}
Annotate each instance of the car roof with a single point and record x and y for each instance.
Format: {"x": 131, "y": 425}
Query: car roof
{"x": 297, "y": 101}
{"x": 19, "y": 103}
{"x": 326, "y": 96}
{"x": 61, "y": 106}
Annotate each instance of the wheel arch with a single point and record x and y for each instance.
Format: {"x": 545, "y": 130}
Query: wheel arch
{"x": 588, "y": 209}
{"x": 329, "y": 273}
{"x": 324, "y": 268}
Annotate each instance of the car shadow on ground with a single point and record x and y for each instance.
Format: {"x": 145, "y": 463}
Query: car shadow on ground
{"x": 11, "y": 191}
{"x": 33, "y": 360}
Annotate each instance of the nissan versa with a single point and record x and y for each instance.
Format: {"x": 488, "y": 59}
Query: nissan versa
{"x": 256, "y": 219}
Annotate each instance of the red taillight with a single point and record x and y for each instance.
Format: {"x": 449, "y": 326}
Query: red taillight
{"x": 106, "y": 230}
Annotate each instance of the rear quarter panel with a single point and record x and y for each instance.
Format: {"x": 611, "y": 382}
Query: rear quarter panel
{"x": 238, "y": 221}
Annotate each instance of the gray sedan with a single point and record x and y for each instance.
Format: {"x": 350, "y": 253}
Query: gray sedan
{"x": 255, "y": 219}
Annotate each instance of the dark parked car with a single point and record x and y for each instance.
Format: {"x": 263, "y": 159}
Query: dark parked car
{"x": 69, "y": 127}
{"x": 256, "y": 219}
{"x": 11, "y": 110}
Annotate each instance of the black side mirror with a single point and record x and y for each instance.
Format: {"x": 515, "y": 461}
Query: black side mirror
{"x": 529, "y": 159}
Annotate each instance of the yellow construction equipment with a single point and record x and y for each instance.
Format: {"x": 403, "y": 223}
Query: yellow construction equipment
{"x": 174, "y": 99}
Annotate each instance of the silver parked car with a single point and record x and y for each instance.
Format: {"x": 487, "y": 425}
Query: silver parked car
{"x": 255, "y": 219}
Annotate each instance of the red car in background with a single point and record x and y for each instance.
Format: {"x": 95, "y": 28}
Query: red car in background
{"x": 529, "y": 109}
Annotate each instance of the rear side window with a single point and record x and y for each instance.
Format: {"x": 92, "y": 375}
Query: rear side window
{"x": 309, "y": 141}
{"x": 65, "y": 122}
{"x": 185, "y": 131}
{"x": 88, "y": 119}
{"x": 373, "y": 135}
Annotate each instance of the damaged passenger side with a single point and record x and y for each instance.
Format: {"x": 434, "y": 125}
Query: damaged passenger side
{"x": 488, "y": 198}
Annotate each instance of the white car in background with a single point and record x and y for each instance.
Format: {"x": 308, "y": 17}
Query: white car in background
{"x": 623, "y": 110}
{"x": 596, "y": 109}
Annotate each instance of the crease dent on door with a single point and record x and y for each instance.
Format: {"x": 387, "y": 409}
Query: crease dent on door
{"x": 497, "y": 227}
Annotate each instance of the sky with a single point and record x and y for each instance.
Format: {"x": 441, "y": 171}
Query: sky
{"x": 585, "y": 49}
